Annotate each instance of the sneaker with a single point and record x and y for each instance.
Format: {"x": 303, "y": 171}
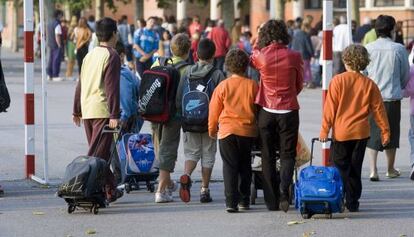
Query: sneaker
{"x": 57, "y": 79}
{"x": 172, "y": 188}
{"x": 232, "y": 209}
{"x": 205, "y": 195}
{"x": 163, "y": 197}
{"x": 411, "y": 174}
{"x": 185, "y": 185}
{"x": 244, "y": 207}
{"x": 353, "y": 207}
{"x": 374, "y": 177}
{"x": 393, "y": 174}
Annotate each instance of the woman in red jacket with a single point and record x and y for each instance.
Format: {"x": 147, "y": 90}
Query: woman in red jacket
{"x": 281, "y": 80}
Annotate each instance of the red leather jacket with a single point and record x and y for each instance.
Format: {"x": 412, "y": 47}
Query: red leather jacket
{"x": 281, "y": 76}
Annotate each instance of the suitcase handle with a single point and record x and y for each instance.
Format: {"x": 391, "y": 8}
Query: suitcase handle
{"x": 313, "y": 142}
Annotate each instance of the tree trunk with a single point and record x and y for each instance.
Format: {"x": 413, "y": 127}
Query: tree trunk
{"x": 355, "y": 11}
{"x": 99, "y": 9}
{"x": 139, "y": 9}
{"x": 228, "y": 13}
{"x": 280, "y": 9}
{"x": 15, "y": 27}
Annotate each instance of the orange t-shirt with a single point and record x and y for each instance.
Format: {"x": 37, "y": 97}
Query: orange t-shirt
{"x": 351, "y": 98}
{"x": 232, "y": 108}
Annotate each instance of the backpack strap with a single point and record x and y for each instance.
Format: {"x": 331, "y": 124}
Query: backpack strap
{"x": 180, "y": 64}
{"x": 163, "y": 61}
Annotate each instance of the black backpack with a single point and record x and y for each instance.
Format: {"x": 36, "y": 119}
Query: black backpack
{"x": 195, "y": 102}
{"x": 4, "y": 93}
{"x": 158, "y": 89}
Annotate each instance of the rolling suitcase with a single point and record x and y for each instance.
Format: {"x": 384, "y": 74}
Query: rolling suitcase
{"x": 319, "y": 190}
{"x": 137, "y": 162}
{"x": 84, "y": 181}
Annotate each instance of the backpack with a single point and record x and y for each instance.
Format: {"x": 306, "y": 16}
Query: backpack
{"x": 195, "y": 102}
{"x": 158, "y": 89}
{"x": 4, "y": 93}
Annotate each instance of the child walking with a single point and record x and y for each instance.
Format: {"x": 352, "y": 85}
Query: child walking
{"x": 351, "y": 99}
{"x": 202, "y": 78}
{"x": 232, "y": 120}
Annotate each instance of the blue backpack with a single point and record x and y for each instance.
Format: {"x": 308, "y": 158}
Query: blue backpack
{"x": 319, "y": 190}
{"x": 195, "y": 102}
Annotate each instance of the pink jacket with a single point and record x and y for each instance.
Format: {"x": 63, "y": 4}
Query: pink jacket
{"x": 409, "y": 90}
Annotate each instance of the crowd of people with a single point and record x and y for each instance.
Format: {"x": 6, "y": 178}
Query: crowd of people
{"x": 249, "y": 101}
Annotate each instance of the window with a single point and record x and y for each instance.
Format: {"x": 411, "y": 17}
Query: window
{"x": 313, "y": 4}
{"x": 388, "y": 3}
{"x": 340, "y": 3}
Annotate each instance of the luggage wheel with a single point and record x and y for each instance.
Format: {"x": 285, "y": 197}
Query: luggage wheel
{"x": 306, "y": 215}
{"x": 95, "y": 209}
{"x": 71, "y": 208}
{"x": 150, "y": 187}
{"x": 127, "y": 188}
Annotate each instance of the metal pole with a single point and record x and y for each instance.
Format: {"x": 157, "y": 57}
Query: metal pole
{"x": 29, "y": 88}
{"x": 349, "y": 20}
{"x": 44, "y": 91}
{"x": 327, "y": 66}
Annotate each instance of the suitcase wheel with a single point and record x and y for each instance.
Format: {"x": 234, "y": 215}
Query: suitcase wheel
{"x": 306, "y": 215}
{"x": 127, "y": 188}
{"x": 95, "y": 209}
{"x": 71, "y": 208}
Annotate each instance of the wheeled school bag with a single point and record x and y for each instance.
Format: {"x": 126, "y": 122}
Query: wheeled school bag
{"x": 84, "y": 181}
{"x": 137, "y": 161}
{"x": 319, "y": 190}
{"x": 195, "y": 102}
{"x": 157, "y": 92}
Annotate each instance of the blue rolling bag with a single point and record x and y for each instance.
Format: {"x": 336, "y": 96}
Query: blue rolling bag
{"x": 137, "y": 161}
{"x": 319, "y": 190}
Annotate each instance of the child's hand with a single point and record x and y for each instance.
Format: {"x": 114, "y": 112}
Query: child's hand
{"x": 323, "y": 139}
{"x": 113, "y": 123}
{"x": 385, "y": 142}
{"x": 213, "y": 136}
{"x": 77, "y": 120}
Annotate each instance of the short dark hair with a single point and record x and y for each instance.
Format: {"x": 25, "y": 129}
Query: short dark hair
{"x": 237, "y": 61}
{"x": 206, "y": 49}
{"x": 105, "y": 28}
{"x": 142, "y": 22}
{"x": 273, "y": 30}
{"x": 91, "y": 18}
{"x": 384, "y": 25}
{"x": 120, "y": 48}
{"x": 180, "y": 45}
{"x": 58, "y": 13}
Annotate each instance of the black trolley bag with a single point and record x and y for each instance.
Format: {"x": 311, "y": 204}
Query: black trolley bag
{"x": 84, "y": 181}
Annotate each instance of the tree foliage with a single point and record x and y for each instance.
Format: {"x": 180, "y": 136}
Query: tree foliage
{"x": 79, "y": 5}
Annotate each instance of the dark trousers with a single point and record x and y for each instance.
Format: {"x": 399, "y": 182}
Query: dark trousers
{"x": 237, "y": 169}
{"x": 55, "y": 59}
{"x": 348, "y": 157}
{"x": 278, "y": 131}
{"x": 142, "y": 66}
{"x": 219, "y": 63}
{"x": 100, "y": 144}
{"x": 80, "y": 55}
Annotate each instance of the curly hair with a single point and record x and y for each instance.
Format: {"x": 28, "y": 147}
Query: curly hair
{"x": 356, "y": 57}
{"x": 273, "y": 31}
{"x": 237, "y": 61}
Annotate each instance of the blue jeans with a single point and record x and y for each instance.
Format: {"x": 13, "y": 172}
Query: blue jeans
{"x": 53, "y": 68}
{"x": 411, "y": 139}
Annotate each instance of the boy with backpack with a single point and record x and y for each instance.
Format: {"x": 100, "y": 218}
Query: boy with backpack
{"x": 193, "y": 97}
{"x": 166, "y": 126}
{"x": 96, "y": 101}
{"x": 351, "y": 98}
{"x": 232, "y": 120}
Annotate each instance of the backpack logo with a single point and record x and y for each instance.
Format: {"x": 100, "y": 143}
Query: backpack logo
{"x": 193, "y": 104}
{"x": 143, "y": 103}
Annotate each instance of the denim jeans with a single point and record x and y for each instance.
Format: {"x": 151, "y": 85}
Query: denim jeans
{"x": 53, "y": 68}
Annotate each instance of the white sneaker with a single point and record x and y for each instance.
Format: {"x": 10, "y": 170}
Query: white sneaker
{"x": 172, "y": 188}
{"x": 57, "y": 79}
{"x": 163, "y": 197}
{"x": 257, "y": 162}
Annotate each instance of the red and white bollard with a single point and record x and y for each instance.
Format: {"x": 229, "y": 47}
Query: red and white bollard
{"x": 327, "y": 65}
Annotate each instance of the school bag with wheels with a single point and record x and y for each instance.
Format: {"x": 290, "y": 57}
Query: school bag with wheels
{"x": 83, "y": 185}
{"x": 195, "y": 102}
{"x": 137, "y": 161}
{"x": 157, "y": 92}
{"x": 319, "y": 190}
